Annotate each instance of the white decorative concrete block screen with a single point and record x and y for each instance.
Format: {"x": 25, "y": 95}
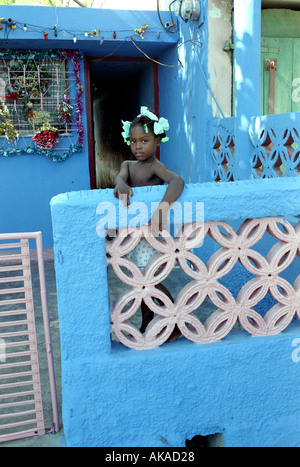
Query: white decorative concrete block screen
{"x": 264, "y": 272}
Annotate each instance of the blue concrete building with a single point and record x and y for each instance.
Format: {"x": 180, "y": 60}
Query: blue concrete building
{"x": 163, "y": 87}
{"x": 242, "y": 388}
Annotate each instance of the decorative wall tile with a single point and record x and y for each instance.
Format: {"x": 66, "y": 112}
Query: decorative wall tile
{"x": 205, "y": 282}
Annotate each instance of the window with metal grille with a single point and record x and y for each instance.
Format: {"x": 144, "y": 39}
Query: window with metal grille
{"x": 37, "y": 91}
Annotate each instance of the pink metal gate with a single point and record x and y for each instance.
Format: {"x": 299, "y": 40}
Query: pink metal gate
{"x": 21, "y": 406}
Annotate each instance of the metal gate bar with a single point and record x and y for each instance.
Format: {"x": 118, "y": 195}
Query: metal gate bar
{"x": 21, "y": 407}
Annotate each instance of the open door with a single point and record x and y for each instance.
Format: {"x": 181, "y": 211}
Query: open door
{"x": 118, "y": 88}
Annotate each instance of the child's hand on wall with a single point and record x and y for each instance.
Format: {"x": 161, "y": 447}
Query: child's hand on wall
{"x": 123, "y": 192}
{"x": 159, "y": 220}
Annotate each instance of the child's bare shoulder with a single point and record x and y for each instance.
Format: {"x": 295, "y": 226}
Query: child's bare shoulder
{"x": 158, "y": 167}
{"x": 163, "y": 172}
{"x": 126, "y": 163}
{"x": 129, "y": 163}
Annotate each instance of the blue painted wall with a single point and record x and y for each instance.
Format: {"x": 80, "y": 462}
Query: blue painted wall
{"x": 183, "y": 99}
{"x": 27, "y": 183}
{"x": 243, "y": 387}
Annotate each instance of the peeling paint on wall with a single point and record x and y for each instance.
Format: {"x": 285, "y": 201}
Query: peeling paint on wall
{"x": 219, "y": 61}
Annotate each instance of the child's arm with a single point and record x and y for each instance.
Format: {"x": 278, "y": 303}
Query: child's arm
{"x": 122, "y": 189}
{"x": 174, "y": 190}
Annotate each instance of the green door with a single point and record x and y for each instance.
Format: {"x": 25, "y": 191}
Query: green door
{"x": 280, "y": 50}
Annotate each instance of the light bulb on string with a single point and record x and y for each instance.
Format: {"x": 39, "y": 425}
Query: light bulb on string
{"x": 102, "y": 40}
{"x": 74, "y": 39}
{"x": 25, "y": 27}
{"x": 86, "y": 34}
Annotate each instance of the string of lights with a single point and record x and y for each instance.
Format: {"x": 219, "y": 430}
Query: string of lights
{"x": 120, "y": 35}
{"x": 102, "y": 34}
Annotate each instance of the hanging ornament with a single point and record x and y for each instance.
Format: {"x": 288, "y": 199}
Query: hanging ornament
{"x": 11, "y": 24}
{"x": 95, "y": 32}
{"x": 25, "y": 27}
{"x": 46, "y": 137}
{"x": 74, "y": 39}
{"x": 115, "y": 35}
{"x": 65, "y": 111}
{"x": 7, "y": 128}
{"x": 45, "y": 36}
{"x": 142, "y": 31}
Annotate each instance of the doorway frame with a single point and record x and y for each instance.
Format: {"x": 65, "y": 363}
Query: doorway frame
{"x": 89, "y": 106}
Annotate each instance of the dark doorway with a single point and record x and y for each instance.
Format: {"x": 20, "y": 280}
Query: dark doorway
{"x": 118, "y": 89}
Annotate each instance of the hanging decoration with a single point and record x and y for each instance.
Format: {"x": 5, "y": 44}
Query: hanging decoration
{"x": 65, "y": 111}
{"x": 7, "y": 128}
{"x": 29, "y": 87}
{"x": 94, "y": 32}
{"x": 76, "y": 59}
{"x": 28, "y": 95}
{"x": 78, "y": 34}
{"x": 46, "y": 137}
{"x": 142, "y": 31}
{"x": 125, "y": 35}
{"x": 28, "y": 83}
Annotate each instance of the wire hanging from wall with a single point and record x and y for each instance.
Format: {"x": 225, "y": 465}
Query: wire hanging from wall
{"x": 153, "y": 60}
{"x": 75, "y": 35}
{"x": 167, "y": 26}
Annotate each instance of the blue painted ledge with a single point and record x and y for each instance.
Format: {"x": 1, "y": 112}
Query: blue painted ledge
{"x": 222, "y": 201}
{"x": 245, "y": 388}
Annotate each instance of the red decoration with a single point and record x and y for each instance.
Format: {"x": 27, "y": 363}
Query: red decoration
{"x": 115, "y": 35}
{"x": 13, "y": 96}
{"x": 46, "y": 36}
{"x": 47, "y": 137}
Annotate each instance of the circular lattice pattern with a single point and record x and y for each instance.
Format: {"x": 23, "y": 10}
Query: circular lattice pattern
{"x": 234, "y": 247}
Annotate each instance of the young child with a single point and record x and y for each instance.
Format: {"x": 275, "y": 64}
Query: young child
{"x": 144, "y": 135}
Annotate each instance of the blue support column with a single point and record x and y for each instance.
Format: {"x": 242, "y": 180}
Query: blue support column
{"x": 247, "y": 31}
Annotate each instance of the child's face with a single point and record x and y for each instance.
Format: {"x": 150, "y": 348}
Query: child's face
{"x": 143, "y": 145}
